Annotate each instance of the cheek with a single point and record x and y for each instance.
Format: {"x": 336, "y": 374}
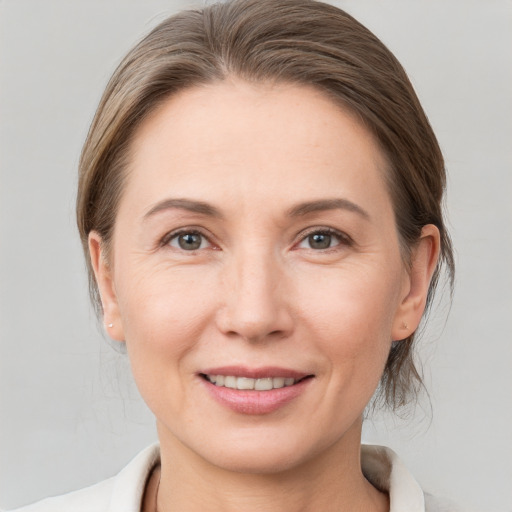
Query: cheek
{"x": 157, "y": 301}
{"x": 163, "y": 314}
{"x": 163, "y": 319}
{"x": 361, "y": 291}
{"x": 351, "y": 312}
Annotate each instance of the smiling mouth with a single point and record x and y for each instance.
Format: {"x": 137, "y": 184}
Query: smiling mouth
{"x": 248, "y": 383}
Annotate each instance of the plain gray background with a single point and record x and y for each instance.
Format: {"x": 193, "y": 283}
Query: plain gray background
{"x": 69, "y": 413}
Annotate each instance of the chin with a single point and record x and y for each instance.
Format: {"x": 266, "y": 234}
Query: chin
{"x": 259, "y": 460}
{"x": 254, "y": 451}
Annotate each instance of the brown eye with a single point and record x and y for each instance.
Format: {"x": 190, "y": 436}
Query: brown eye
{"x": 188, "y": 241}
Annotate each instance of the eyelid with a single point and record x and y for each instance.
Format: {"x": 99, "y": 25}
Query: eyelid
{"x": 166, "y": 239}
{"x": 343, "y": 238}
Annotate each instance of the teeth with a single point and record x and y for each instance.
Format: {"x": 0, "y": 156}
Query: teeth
{"x": 244, "y": 383}
{"x": 263, "y": 384}
{"x": 230, "y": 382}
{"x": 278, "y": 382}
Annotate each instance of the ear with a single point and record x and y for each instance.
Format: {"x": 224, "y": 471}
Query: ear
{"x": 416, "y": 284}
{"x": 104, "y": 279}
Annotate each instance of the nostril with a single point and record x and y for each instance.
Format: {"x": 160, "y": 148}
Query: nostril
{"x": 246, "y": 319}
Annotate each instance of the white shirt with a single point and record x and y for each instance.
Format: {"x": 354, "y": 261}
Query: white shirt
{"x": 124, "y": 492}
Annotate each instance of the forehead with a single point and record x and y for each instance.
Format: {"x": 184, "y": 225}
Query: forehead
{"x": 238, "y": 139}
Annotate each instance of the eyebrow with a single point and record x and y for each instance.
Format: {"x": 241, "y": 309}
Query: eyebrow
{"x": 184, "y": 204}
{"x": 299, "y": 210}
{"x": 327, "y": 204}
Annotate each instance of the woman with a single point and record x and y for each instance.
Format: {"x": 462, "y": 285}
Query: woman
{"x": 260, "y": 207}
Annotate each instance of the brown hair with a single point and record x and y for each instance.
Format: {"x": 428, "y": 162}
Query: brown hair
{"x": 293, "y": 41}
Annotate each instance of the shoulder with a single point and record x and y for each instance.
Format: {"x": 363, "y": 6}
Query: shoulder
{"x": 121, "y": 493}
{"x": 384, "y": 469}
{"x": 94, "y": 498}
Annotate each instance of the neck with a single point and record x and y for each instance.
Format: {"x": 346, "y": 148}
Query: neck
{"x": 330, "y": 481}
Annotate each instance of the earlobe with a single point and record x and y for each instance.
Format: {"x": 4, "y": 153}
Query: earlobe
{"x": 423, "y": 264}
{"x": 105, "y": 282}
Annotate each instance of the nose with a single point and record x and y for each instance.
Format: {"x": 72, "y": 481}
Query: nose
{"x": 255, "y": 306}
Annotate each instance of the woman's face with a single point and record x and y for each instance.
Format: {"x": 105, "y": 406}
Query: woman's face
{"x": 255, "y": 246}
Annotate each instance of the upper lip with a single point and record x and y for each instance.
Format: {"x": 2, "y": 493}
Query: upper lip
{"x": 263, "y": 372}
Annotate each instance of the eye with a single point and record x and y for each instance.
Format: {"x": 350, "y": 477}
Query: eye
{"x": 323, "y": 239}
{"x": 188, "y": 241}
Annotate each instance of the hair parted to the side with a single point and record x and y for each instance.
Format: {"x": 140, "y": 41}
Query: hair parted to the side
{"x": 270, "y": 41}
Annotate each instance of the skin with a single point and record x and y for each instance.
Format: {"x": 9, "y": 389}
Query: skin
{"x": 257, "y": 292}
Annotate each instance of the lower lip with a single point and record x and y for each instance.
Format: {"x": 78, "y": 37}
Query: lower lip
{"x": 256, "y": 402}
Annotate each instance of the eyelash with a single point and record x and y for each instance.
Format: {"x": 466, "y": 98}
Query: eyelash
{"x": 166, "y": 240}
{"x": 343, "y": 238}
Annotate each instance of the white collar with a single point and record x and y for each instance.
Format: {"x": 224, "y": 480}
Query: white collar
{"x": 382, "y": 467}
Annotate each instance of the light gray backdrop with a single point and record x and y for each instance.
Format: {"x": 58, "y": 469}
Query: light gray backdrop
{"x": 69, "y": 414}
